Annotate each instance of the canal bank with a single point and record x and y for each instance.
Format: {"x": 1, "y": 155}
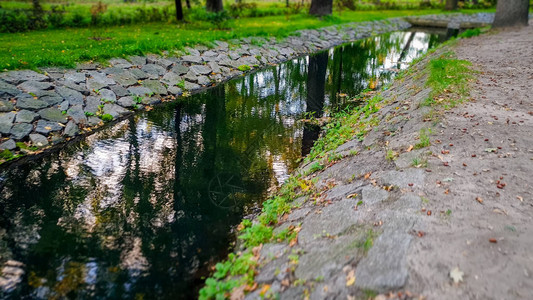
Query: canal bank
{"x": 423, "y": 192}
{"x": 39, "y": 111}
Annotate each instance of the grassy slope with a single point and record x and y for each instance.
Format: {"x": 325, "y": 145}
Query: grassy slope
{"x": 65, "y": 47}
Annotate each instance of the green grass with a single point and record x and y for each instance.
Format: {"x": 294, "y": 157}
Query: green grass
{"x": 66, "y": 47}
{"x": 423, "y": 138}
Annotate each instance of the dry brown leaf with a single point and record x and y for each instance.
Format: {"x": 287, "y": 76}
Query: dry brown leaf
{"x": 238, "y": 293}
{"x": 478, "y": 199}
{"x": 409, "y": 149}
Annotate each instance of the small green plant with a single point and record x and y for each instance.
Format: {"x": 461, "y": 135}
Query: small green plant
{"x": 107, "y": 118}
{"x": 470, "y": 33}
{"x": 244, "y": 68}
{"x": 89, "y": 114}
{"x": 64, "y": 112}
{"x": 316, "y": 166}
{"x": 423, "y": 138}
{"x": 391, "y": 155}
{"x": 181, "y": 84}
{"x": 6, "y": 154}
{"x": 138, "y": 99}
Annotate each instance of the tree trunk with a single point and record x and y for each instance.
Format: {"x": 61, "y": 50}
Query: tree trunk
{"x": 321, "y": 7}
{"x": 188, "y": 3}
{"x": 451, "y": 5}
{"x": 214, "y": 5}
{"x": 179, "y": 10}
{"x": 511, "y": 13}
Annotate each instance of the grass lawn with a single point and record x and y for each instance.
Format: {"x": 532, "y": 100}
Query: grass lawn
{"x": 65, "y": 47}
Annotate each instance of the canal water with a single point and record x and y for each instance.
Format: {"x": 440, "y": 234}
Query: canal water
{"x": 143, "y": 208}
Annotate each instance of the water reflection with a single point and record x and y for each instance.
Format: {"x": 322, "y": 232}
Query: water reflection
{"x": 143, "y": 208}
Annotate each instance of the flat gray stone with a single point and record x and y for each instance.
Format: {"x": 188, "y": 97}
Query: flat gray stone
{"x": 385, "y": 266}
{"x": 107, "y": 95}
{"x": 26, "y": 116}
{"x": 71, "y": 129}
{"x": 334, "y": 219}
{"x": 120, "y": 62}
{"x": 150, "y": 101}
{"x": 28, "y": 102}
{"x": 373, "y": 195}
{"x": 192, "y": 51}
{"x": 155, "y": 86}
{"x": 91, "y": 104}
{"x": 7, "y": 89}
{"x": 53, "y": 114}
{"x": 35, "y": 86}
{"x": 71, "y": 85}
{"x": 45, "y": 127}
{"x": 73, "y": 97}
{"x": 21, "y": 130}
{"x": 191, "y": 77}
{"x": 191, "y": 86}
{"x": 234, "y": 55}
{"x": 6, "y": 106}
{"x": 139, "y": 74}
{"x": 125, "y": 79}
{"x": 403, "y": 179}
{"x": 64, "y": 105}
{"x": 203, "y": 80}
{"x": 93, "y": 121}
{"x": 6, "y": 122}
{"x": 16, "y": 77}
{"x": 8, "y": 145}
{"x": 165, "y": 63}
{"x": 77, "y": 114}
{"x": 87, "y": 66}
{"x": 154, "y": 71}
{"x": 139, "y": 91}
{"x": 249, "y": 61}
{"x": 174, "y": 90}
{"x": 126, "y": 102}
{"x": 180, "y": 69}
{"x": 191, "y": 59}
{"x": 75, "y": 77}
{"x": 214, "y": 67}
{"x": 171, "y": 78}
{"x": 52, "y": 99}
{"x": 38, "y": 140}
{"x": 137, "y": 60}
{"x": 99, "y": 81}
{"x": 115, "y": 110}
{"x": 119, "y": 90}
{"x": 199, "y": 70}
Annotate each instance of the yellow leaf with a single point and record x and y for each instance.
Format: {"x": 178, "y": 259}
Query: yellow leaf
{"x": 264, "y": 289}
{"x": 350, "y": 278}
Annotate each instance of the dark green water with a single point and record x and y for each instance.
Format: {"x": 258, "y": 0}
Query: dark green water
{"x": 143, "y": 208}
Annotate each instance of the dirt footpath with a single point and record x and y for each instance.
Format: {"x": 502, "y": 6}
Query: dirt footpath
{"x": 487, "y": 183}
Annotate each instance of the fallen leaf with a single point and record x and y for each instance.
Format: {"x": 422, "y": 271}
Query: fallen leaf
{"x": 456, "y": 275}
{"x": 421, "y": 233}
{"x": 429, "y": 213}
{"x": 493, "y": 240}
{"x": 367, "y": 175}
{"x": 478, "y": 199}
{"x": 293, "y": 242}
{"x": 264, "y": 289}
{"x": 238, "y": 293}
{"x": 350, "y": 278}
{"x": 352, "y": 195}
{"x": 520, "y": 198}
{"x": 490, "y": 150}
{"x": 409, "y": 149}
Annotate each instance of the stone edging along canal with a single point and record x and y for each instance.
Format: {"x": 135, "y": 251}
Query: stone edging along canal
{"x": 39, "y": 111}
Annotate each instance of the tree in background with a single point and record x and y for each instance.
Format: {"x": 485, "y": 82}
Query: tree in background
{"x": 214, "y": 5}
{"x": 321, "y": 7}
{"x": 511, "y": 13}
{"x": 451, "y": 5}
{"x": 179, "y": 10}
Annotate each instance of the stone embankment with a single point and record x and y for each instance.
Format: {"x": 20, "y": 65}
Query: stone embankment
{"x": 42, "y": 109}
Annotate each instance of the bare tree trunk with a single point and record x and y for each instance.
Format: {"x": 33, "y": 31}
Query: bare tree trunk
{"x": 179, "y": 10}
{"x": 188, "y": 3}
{"x": 321, "y": 7}
{"x": 451, "y": 5}
{"x": 214, "y": 5}
{"x": 511, "y": 13}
